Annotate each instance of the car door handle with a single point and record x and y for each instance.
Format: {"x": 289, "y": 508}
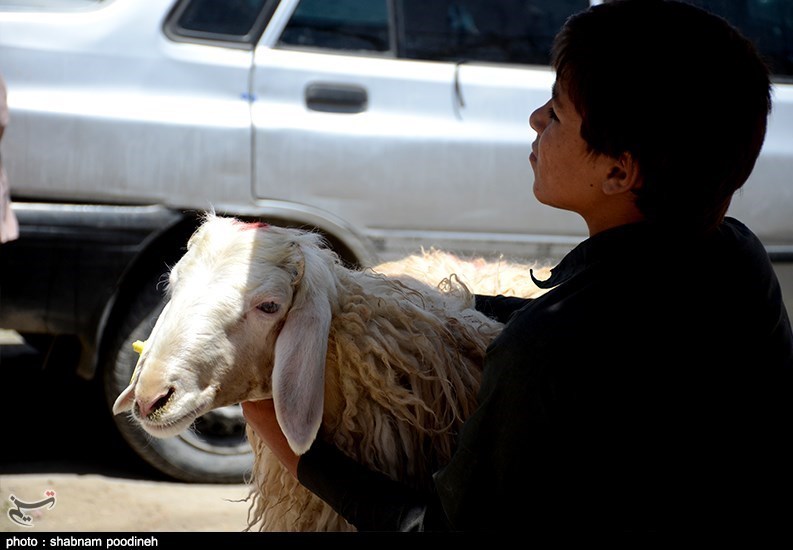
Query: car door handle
{"x": 336, "y": 98}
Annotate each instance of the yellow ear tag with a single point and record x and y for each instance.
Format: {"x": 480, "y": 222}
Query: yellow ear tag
{"x": 138, "y": 346}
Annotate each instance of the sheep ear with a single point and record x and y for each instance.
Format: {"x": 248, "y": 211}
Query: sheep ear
{"x": 299, "y": 368}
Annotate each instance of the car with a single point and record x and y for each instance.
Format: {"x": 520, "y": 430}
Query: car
{"x": 386, "y": 126}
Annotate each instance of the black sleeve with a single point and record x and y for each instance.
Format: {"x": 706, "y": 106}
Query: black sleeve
{"x": 499, "y": 307}
{"x": 368, "y": 500}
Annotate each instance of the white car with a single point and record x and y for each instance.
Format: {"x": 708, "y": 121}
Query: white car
{"x": 386, "y": 125}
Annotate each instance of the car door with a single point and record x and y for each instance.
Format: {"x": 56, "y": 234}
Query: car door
{"x": 368, "y": 112}
{"x": 106, "y": 109}
{"x": 503, "y": 75}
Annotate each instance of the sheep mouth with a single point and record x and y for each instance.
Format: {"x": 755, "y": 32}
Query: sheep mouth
{"x": 163, "y": 422}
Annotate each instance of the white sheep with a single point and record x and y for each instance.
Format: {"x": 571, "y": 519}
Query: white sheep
{"x": 384, "y": 367}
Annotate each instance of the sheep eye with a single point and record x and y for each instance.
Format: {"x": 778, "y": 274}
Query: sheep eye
{"x": 269, "y": 307}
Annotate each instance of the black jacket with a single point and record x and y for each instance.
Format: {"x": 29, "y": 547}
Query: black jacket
{"x": 650, "y": 389}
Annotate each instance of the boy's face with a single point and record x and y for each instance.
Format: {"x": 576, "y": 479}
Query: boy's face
{"x": 566, "y": 174}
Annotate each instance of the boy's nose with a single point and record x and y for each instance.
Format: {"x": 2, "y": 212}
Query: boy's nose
{"x": 537, "y": 119}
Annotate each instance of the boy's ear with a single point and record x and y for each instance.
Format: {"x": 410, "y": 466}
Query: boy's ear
{"x": 624, "y": 175}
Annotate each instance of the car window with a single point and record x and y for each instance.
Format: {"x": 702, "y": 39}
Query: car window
{"x": 238, "y": 22}
{"x": 504, "y": 31}
{"x": 352, "y": 25}
{"x": 768, "y": 23}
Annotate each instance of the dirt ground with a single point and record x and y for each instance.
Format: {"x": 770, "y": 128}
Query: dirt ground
{"x": 96, "y": 503}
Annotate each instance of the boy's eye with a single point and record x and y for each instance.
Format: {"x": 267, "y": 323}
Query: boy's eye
{"x": 552, "y": 113}
{"x": 269, "y": 307}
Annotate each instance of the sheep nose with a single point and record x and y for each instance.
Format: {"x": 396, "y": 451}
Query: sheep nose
{"x": 148, "y": 406}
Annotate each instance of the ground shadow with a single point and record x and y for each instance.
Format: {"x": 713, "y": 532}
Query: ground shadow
{"x": 58, "y": 422}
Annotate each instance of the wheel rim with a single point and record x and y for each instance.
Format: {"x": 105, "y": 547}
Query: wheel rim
{"x": 220, "y": 432}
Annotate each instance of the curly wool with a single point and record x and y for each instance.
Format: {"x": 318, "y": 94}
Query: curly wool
{"x": 402, "y": 372}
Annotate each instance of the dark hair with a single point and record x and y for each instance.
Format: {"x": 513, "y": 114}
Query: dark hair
{"x": 679, "y": 89}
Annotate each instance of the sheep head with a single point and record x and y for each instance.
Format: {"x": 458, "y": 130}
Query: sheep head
{"x": 247, "y": 317}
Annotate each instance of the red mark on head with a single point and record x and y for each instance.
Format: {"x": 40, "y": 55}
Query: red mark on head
{"x": 254, "y": 225}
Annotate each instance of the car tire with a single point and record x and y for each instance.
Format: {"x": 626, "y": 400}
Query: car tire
{"x": 215, "y": 448}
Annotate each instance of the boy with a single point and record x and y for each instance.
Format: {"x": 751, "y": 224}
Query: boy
{"x": 650, "y": 388}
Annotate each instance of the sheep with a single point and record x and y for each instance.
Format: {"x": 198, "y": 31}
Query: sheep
{"x": 479, "y": 275}
{"x": 384, "y": 367}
